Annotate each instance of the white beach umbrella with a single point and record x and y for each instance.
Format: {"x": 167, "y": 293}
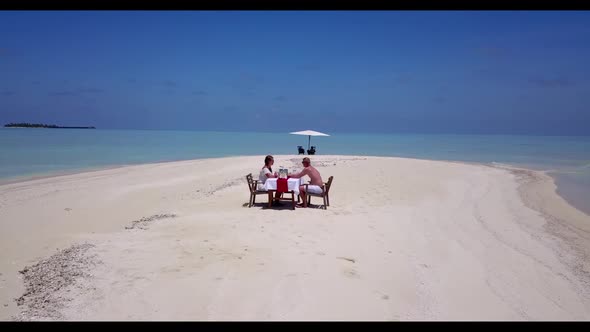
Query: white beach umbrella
{"x": 309, "y": 133}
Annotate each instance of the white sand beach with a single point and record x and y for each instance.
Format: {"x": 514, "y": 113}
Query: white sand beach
{"x": 402, "y": 239}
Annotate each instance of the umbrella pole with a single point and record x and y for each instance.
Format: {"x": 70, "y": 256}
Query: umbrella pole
{"x": 308, "y": 141}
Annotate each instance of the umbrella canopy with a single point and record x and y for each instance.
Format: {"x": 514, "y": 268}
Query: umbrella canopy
{"x": 309, "y": 133}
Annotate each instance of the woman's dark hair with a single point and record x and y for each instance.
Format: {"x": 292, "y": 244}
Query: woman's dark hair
{"x": 267, "y": 160}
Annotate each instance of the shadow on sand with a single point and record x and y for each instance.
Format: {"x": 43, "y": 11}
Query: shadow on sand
{"x": 281, "y": 206}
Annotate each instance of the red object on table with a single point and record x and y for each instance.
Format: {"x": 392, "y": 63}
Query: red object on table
{"x": 282, "y": 186}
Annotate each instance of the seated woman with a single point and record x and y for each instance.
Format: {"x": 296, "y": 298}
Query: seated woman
{"x": 266, "y": 172}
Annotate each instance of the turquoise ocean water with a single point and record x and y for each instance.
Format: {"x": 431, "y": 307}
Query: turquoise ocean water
{"x": 35, "y": 152}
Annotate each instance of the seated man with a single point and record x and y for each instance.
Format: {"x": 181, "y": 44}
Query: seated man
{"x": 311, "y": 151}
{"x": 315, "y": 185}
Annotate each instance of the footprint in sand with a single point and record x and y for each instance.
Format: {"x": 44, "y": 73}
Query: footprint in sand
{"x": 351, "y": 273}
{"x": 170, "y": 270}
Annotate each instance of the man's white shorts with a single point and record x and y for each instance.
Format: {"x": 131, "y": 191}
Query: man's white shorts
{"x": 313, "y": 189}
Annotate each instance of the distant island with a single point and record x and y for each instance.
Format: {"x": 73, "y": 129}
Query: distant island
{"x": 40, "y": 125}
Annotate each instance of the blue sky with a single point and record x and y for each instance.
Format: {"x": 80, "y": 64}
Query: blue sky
{"x": 337, "y": 71}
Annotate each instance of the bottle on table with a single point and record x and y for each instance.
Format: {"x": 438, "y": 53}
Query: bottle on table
{"x": 283, "y": 173}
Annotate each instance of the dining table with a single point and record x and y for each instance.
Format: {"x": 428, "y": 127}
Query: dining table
{"x": 271, "y": 185}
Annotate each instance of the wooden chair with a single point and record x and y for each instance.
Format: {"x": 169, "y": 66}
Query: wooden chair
{"x": 253, "y": 187}
{"x": 325, "y": 193}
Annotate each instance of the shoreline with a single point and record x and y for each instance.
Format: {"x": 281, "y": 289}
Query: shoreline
{"x": 185, "y": 189}
{"x": 571, "y": 194}
{"x": 92, "y": 169}
{"x": 571, "y": 191}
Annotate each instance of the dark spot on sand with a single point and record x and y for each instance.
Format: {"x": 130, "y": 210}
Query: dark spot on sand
{"x": 47, "y": 281}
{"x": 385, "y": 297}
{"x": 144, "y": 222}
{"x": 347, "y": 259}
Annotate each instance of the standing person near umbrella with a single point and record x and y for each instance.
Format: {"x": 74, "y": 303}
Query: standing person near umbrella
{"x": 315, "y": 183}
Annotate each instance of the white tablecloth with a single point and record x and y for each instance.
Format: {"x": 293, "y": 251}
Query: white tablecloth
{"x": 292, "y": 184}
